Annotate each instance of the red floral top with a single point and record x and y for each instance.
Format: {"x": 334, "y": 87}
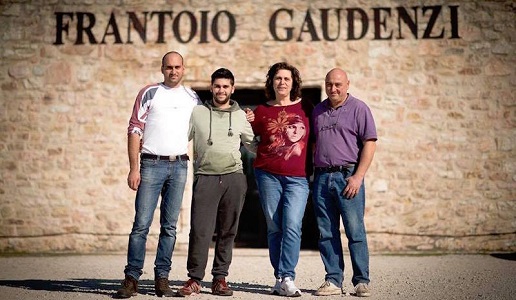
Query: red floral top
{"x": 283, "y": 139}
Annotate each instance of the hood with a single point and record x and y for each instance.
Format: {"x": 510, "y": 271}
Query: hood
{"x": 233, "y": 106}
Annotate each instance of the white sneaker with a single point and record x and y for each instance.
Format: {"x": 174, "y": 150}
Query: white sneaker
{"x": 328, "y": 288}
{"x": 289, "y": 289}
{"x": 276, "y": 290}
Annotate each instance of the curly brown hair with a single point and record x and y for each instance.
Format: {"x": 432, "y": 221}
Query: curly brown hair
{"x": 295, "y": 93}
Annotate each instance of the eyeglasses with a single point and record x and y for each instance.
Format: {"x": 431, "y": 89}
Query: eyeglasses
{"x": 328, "y": 127}
{"x": 333, "y": 119}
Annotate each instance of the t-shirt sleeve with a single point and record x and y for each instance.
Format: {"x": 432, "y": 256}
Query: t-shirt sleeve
{"x": 140, "y": 111}
{"x": 367, "y": 127}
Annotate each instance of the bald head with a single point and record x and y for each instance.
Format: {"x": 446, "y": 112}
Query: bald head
{"x": 172, "y": 68}
{"x": 336, "y": 86}
{"x": 337, "y": 72}
{"x": 172, "y": 53}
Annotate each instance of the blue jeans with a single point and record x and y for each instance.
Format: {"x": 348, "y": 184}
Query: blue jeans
{"x": 283, "y": 200}
{"x": 329, "y": 206}
{"x": 169, "y": 179}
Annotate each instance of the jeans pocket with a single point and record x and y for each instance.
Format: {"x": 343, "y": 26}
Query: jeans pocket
{"x": 183, "y": 163}
{"x": 348, "y": 172}
{"x": 147, "y": 163}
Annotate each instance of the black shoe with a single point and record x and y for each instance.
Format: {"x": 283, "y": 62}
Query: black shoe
{"x": 129, "y": 288}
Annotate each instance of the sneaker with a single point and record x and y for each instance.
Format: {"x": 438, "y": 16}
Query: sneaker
{"x": 327, "y": 289}
{"x": 220, "y": 287}
{"x": 129, "y": 288}
{"x": 191, "y": 287}
{"x": 162, "y": 288}
{"x": 276, "y": 290}
{"x": 288, "y": 288}
{"x": 362, "y": 290}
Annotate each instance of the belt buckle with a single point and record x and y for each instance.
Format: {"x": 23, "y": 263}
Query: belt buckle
{"x": 172, "y": 158}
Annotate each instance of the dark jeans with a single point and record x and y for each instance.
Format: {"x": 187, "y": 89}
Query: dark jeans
{"x": 217, "y": 203}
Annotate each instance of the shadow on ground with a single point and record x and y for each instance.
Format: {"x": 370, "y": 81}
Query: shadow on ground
{"x": 506, "y": 256}
{"x": 109, "y": 287}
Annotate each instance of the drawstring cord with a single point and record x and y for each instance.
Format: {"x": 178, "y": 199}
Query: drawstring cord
{"x": 230, "y": 130}
{"x": 210, "y": 142}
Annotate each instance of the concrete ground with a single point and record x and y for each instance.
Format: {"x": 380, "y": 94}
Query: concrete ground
{"x": 392, "y": 277}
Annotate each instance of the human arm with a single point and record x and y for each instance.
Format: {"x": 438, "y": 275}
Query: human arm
{"x": 133, "y": 149}
{"x": 247, "y": 137}
{"x": 191, "y": 130}
{"x": 355, "y": 181}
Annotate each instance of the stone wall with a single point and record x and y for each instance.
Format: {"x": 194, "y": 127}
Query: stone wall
{"x": 444, "y": 175}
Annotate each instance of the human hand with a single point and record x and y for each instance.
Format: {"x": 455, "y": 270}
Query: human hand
{"x": 133, "y": 180}
{"x": 249, "y": 114}
{"x": 353, "y": 186}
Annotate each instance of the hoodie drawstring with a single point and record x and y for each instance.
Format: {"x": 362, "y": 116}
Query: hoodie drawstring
{"x": 210, "y": 142}
{"x": 230, "y": 130}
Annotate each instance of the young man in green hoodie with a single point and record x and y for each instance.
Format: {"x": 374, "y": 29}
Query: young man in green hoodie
{"x": 217, "y": 129}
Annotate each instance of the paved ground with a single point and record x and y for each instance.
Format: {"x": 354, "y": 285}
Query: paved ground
{"x": 393, "y": 277}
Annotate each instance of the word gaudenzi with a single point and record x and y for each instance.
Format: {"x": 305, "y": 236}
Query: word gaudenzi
{"x": 399, "y": 23}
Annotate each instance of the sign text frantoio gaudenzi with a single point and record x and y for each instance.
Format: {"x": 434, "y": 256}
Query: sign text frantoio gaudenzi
{"x": 324, "y": 24}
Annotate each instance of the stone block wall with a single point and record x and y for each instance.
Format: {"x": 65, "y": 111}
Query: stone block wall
{"x": 443, "y": 96}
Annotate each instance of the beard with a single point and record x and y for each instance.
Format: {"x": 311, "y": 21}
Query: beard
{"x": 221, "y": 101}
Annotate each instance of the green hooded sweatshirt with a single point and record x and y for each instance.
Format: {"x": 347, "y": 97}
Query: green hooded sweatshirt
{"x": 217, "y": 134}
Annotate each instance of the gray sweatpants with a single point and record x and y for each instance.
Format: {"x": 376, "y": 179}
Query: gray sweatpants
{"x": 216, "y": 204}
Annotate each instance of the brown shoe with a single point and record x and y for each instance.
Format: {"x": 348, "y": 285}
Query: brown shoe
{"x": 220, "y": 287}
{"x": 129, "y": 288}
{"x": 191, "y": 287}
{"x": 162, "y": 288}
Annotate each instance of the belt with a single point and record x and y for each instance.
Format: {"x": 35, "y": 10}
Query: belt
{"x": 333, "y": 169}
{"x": 165, "y": 157}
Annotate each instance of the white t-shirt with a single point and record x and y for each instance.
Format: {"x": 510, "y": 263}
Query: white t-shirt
{"x": 161, "y": 115}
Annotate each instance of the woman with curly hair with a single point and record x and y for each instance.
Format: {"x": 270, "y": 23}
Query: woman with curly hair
{"x": 281, "y": 170}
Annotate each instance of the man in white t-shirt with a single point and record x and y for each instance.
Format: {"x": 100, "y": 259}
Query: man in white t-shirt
{"x": 158, "y": 135}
